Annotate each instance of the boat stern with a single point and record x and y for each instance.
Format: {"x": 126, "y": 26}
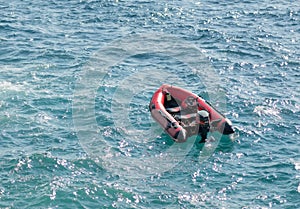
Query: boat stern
{"x": 227, "y": 129}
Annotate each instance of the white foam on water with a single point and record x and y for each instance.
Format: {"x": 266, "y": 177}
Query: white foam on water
{"x": 297, "y": 165}
{"x": 264, "y": 110}
{"x": 8, "y": 86}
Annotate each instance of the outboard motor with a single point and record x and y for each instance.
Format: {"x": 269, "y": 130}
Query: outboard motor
{"x": 203, "y": 117}
{"x": 203, "y": 125}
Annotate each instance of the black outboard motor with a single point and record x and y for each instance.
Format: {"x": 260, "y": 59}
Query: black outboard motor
{"x": 203, "y": 125}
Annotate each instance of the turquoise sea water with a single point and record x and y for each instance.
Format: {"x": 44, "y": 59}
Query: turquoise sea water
{"x": 76, "y": 78}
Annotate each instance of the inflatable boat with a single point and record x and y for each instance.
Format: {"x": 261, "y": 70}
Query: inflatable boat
{"x": 179, "y": 112}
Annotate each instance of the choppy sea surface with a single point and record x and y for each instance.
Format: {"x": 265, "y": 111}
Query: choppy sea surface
{"x": 76, "y": 78}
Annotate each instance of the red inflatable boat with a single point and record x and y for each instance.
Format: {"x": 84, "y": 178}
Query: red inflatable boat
{"x": 176, "y": 110}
